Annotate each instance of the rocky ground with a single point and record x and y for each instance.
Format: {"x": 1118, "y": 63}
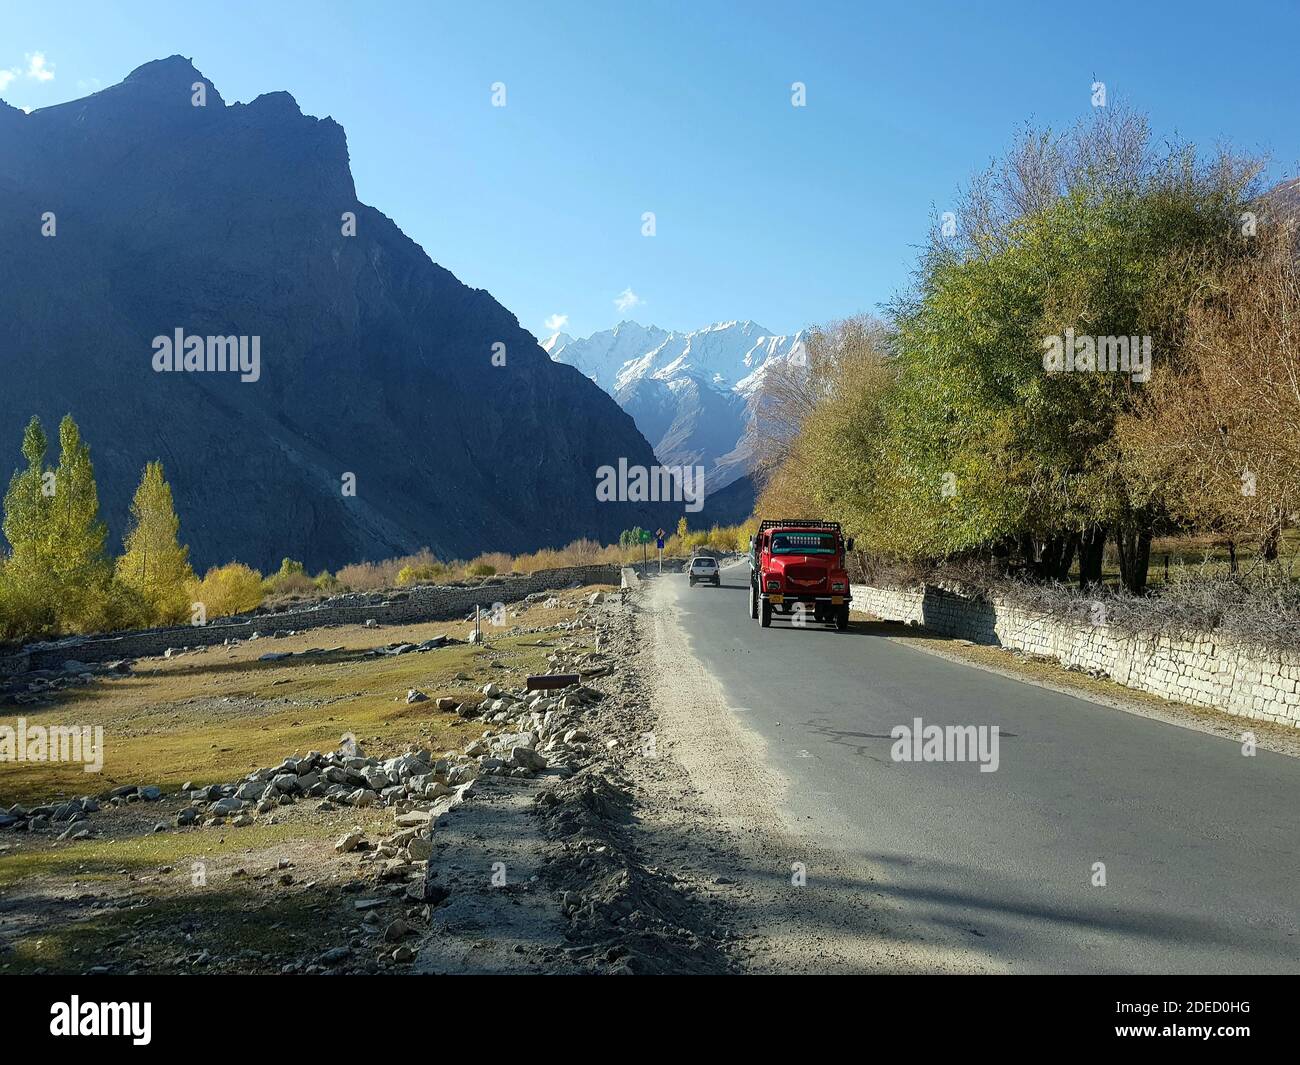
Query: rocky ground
{"x": 551, "y": 841}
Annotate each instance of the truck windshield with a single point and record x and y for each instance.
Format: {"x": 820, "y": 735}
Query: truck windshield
{"x": 803, "y": 543}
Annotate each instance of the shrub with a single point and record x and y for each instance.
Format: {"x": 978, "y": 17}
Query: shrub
{"x": 365, "y": 577}
{"x": 118, "y": 605}
{"x": 496, "y": 561}
{"x": 230, "y": 589}
{"x": 421, "y": 573}
{"x": 325, "y": 581}
{"x": 23, "y": 612}
{"x": 375, "y": 576}
{"x": 290, "y": 579}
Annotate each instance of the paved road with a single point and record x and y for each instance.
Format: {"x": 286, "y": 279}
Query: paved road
{"x": 1200, "y": 843}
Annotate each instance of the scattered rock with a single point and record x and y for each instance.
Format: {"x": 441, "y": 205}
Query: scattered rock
{"x": 350, "y": 841}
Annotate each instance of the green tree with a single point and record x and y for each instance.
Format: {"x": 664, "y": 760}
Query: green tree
{"x": 26, "y": 506}
{"x": 57, "y": 573}
{"x": 79, "y": 566}
{"x": 26, "y": 585}
{"x": 1095, "y": 234}
{"x": 154, "y": 563}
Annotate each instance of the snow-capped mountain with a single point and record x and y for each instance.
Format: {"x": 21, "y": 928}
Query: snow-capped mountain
{"x": 693, "y": 395}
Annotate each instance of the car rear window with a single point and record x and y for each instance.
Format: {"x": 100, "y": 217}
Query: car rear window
{"x": 704, "y": 563}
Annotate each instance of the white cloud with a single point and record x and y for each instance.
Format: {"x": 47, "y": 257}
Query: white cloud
{"x": 556, "y": 322}
{"x": 37, "y": 69}
{"x": 626, "y": 300}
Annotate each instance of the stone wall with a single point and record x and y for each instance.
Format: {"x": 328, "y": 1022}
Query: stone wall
{"x": 1200, "y": 669}
{"x": 424, "y": 603}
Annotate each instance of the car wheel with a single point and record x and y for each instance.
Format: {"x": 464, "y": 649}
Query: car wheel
{"x": 753, "y": 601}
{"x": 842, "y": 618}
{"x": 766, "y": 621}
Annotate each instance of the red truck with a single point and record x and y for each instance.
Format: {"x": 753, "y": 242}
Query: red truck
{"x": 798, "y": 567}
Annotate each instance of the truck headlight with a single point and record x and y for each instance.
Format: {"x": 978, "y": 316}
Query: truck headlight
{"x": 773, "y": 584}
{"x": 837, "y": 586}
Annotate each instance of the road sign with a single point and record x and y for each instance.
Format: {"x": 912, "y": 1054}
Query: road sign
{"x": 659, "y": 536}
{"x": 660, "y": 543}
{"x": 645, "y": 536}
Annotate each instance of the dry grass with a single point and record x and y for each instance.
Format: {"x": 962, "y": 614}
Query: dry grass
{"x": 211, "y": 716}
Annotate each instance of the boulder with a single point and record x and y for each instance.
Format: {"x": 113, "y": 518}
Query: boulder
{"x": 349, "y": 841}
{"x": 527, "y": 758}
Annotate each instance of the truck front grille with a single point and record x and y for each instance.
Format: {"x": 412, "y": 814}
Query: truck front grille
{"x": 806, "y": 578}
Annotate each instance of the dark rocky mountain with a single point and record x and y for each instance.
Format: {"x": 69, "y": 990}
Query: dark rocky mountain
{"x": 226, "y": 220}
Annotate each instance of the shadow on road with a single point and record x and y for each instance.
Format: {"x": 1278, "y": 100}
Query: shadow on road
{"x": 1001, "y": 922}
{"x": 738, "y": 588}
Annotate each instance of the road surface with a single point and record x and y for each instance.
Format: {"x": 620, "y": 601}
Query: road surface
{"x": 1199, "y": 842}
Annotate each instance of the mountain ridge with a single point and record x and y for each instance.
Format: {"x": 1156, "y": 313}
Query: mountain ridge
{"x": 695, "y": 395}
{"x": 376, "y": 361}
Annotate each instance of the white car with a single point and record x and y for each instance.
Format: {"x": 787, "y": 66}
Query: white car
{"x": 704, "y": 568}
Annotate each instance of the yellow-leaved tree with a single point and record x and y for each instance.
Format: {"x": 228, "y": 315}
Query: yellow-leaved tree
{"x": 155, "y": 564}
{"x": 230, "y": 589}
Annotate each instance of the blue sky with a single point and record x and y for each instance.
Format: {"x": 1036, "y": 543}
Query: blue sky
{"x": 765, "y": 211}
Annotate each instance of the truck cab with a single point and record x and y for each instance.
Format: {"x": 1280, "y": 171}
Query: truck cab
{"x": 798, "y": 569}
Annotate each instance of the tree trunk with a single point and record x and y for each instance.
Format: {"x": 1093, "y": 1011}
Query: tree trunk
{"x": 1269, "y": 545}
{"x": 1092, "y": 549}
{"x": 1134, "y": 544}
{"x": 1050, "y": 559}
{"x": 1068, "y": 548}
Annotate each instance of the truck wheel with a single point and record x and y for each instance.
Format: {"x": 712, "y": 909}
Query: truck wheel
{"x": 767, "y": 615}
{"x": 842, "y": 618}
{"x": 753, "y": 601}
